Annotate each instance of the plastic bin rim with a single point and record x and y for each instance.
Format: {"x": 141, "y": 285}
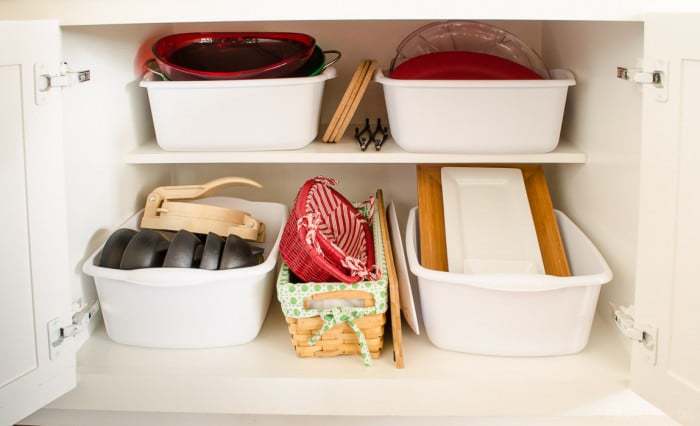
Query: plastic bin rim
{"x": 560, "y": 78}
{"x": 506, "y": 282}
{"x": 148, "y": 83}
{"x": 181, "y": 277}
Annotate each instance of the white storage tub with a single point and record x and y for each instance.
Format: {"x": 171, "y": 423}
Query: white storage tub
{"x": 512, "y": 314}
{"x": 477, "y": 116}
{"x": 236, "y": 115}
{"x": 191, "y": 308}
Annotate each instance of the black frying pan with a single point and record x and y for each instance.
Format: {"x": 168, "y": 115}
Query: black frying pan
{"x": 182, "y": 251}
{"x": 113, "y": 249}
{"x": 237, "y": 254}
{"x": 211, "y": 253}
{"x": 146, "y": 249}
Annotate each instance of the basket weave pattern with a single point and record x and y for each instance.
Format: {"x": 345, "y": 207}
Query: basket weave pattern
{"x": 339, "y": 340}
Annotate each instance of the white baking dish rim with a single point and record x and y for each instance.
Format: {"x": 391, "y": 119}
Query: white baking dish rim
{"x": 181, "y": 277}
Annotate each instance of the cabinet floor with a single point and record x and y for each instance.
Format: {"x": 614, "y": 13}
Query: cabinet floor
{"x": 265, "y": 377}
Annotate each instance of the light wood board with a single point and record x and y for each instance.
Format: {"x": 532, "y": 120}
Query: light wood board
{"x": 432, "y": 226}
{"x": 431, "y": 217}
{"x": 350, "y": 93}
{"x": 350, "y": 111}
{"x": 394, "y": 295}
{"x": 548, "y": 236}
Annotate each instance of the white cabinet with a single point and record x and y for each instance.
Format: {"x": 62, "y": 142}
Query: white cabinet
{"x": 666, "y": 367}
{"x": 640, "y": 213}
{"x": 34, "y": 286}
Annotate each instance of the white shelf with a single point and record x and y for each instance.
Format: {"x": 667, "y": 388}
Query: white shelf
{"x": 265, "y": 377}
{"x": 345, "y": 152}
{"x": 90, "y": 12}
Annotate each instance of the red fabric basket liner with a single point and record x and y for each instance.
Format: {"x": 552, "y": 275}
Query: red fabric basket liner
{"x": 326, "y": 238}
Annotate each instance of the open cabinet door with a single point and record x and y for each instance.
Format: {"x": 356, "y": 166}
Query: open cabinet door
{"x": 34, "y": 271}
{"x": 666, "y": 367}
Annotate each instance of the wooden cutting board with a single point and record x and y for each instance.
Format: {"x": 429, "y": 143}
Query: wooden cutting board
{"x": 394, "y": 295}
{"x": 352, "y": 108}
{"x": 548, "y": 236}
{"x": 431, "y": 217}
{"x": 348, "y": 96}
{"x": 350, "y": 101}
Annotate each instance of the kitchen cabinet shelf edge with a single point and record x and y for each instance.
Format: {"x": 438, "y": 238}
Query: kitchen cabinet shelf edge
{"x": 346, "y": 152}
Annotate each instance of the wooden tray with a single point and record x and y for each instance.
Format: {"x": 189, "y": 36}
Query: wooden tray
{"x": 432, "y": 226}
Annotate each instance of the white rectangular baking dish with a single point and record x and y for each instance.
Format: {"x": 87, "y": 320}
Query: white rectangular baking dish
{"x": 236, "y": 115}
{"x": 191, "y": 308}
{"x": 477, "y": 116}
{"x": 512, "y": 314}
{"x": 488, "y": 222}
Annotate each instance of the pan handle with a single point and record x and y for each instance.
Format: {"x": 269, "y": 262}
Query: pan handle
{"x": 152, "y": 67}
{"x": 327, "y": 64}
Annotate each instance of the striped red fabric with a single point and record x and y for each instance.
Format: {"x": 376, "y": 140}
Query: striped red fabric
{"x": 340, "y": 223}
{"x": 326, "y": 238}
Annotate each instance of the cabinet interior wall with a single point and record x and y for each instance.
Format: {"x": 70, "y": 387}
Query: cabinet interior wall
{"x": 603, "y": 120}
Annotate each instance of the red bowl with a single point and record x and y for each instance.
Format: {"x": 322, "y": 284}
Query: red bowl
{"x": 232, "y": 56}
{"x": 459, "y": 65}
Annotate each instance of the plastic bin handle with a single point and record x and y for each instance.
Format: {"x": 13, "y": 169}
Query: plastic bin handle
{"x": 367, "y": 298}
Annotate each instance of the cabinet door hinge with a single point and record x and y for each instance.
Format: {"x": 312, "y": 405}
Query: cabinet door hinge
{"x": 654, "y": 74}
{"x": 44, "y": 80}
{"x": 59, "y": 331}
{"x": 645, "y": 335}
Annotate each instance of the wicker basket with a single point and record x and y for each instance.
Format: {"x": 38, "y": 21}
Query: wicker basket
{"x": 339, "y": 340}
{"x": 364, "y": 304}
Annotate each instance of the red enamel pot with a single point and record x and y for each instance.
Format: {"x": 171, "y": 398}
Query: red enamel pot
{"x": 232, "y": 55}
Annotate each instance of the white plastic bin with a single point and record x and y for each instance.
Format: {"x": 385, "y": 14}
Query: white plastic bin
{"x": 191, "y": 308}
{"x": 512, "y": 314}
{"x": 477, "y": 116}
{"x": 237, "y": 115}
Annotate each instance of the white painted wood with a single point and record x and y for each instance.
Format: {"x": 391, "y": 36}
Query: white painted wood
{"x": 16, "y": 310}
{"x": 668, "y": 295}
{"x": 347, "y": 151}
{"x": 52, "y": 417}
{"x": 265, "y": 376}
{"x": 86, "y": 12}
{"x": 34, "y": 267}
{"x": 600, "y": 195}
{"x": 603, "y": 119}
{"x": 103, "y": 120}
